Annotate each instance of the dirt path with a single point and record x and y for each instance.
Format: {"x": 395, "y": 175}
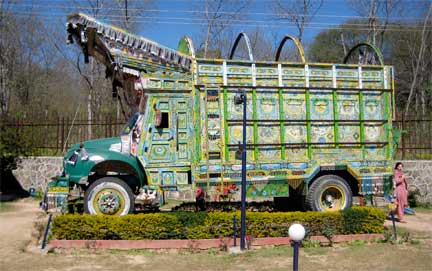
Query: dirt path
{"x": 420, "y": 224}
{"x": 16, "y": 226}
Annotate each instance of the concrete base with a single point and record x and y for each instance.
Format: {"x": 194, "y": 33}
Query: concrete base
{"x": 236, "y": 250}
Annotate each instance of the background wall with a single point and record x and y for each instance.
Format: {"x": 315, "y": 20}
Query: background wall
{"x": 37, "y": 171}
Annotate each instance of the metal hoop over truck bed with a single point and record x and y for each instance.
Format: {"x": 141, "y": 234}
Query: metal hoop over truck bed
{"x": 318, "y": 126}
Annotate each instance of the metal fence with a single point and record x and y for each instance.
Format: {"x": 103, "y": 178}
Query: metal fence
{"x": 415, "y": 138}
{"x": 55, "y": 136}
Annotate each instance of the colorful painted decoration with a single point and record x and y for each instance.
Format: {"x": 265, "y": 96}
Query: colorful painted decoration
{"x": 301, "y": 118}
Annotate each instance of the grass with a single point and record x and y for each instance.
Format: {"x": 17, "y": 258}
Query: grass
{"x": 276, "y": 251}
{"x": 357, "y": 243}
{"x": 7, "y": 206}
{"x": 316, "y": 251}
{"x": 423, "y": 209}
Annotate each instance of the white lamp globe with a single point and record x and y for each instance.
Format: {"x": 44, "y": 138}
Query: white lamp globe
{"x": 296, "y": 232}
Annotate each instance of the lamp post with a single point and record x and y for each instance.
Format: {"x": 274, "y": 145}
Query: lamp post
{"x": 296, "y": 232}
{"x": 241, "y": 99}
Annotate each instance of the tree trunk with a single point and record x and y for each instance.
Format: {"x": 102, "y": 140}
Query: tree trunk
{"x": 419, "y": 59}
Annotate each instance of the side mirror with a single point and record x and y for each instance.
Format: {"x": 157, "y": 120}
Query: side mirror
{"x": 158, "y": 118}
{"x": 84, "y": 154}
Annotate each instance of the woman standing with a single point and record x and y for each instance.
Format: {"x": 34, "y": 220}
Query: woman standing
{"x": 200, "y": 200}
{"x": 401, "y": 191}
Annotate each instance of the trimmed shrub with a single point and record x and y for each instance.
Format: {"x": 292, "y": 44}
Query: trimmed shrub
{"x": 202, "y": 225}
{"x": 363, "y": 220}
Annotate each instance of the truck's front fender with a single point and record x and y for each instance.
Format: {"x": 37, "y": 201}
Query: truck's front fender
{"x": 105, "y": 161}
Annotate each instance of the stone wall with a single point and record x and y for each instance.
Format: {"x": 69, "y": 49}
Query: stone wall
{"x": 36, "y": 171}
{"x": 419, "y": 178}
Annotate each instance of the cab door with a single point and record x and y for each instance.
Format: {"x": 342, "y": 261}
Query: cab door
{"x": 182, "y": 121}
{"x": 169, "y": 137}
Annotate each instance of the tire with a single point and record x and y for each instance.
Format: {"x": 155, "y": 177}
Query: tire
{"x": 329, "y": 193}
{"x": 109, "y": 196}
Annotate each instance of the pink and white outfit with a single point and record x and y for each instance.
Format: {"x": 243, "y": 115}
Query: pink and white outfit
{"x": 401, "y": 193}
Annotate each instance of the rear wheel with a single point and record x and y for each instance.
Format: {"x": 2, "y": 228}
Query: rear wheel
{"x": 109, "y": 196}
{"x": 329, "y": 193}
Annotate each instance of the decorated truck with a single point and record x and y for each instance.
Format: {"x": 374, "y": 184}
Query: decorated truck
{"x": 317, "y": 132}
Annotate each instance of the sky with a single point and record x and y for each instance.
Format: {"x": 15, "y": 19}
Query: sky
{"x": 169, "y": 20}
{"x": 259, "y": 15}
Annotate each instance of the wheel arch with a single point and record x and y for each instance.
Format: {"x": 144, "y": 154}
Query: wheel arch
{"x": 130, "y": 173}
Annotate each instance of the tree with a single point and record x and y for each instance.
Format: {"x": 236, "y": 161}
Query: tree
{"x": 263, "y": 44}
{"x": 122, "y": 13}
{"x": 420, "y": 70}
{"x": 378, "y": 14}
{"x": 7, "y": 51}
{"x": 299, "y": 12}
{"x": 13, "y": 145}
{"x": 407, "y": 46}
{"x": 218, "y": 16}
{"x": 332, "y": 45}
{"x": 26, "y": 64}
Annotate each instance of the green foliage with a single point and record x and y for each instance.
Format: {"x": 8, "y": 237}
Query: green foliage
{"x": 130, "y": 227}
{"x": 328, "y": 46}
{"x": 423, "y": 207}
{"x": 184, "y": 225}
{"x": 415, "y": 242}
{"x": 357, "y": 243}
{"x": 423, "y": 156}
{"x": 6, "y": 207}
{"x": 13, "y": 144}
{"x": 388, "y": 236}
{"x": 363, "y": 220}
{"x": 397, "y": 136}
{"x": 187, "y": 219}
{"x": 311, "y": 243}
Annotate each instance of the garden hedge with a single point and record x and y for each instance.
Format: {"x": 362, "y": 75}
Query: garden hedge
{"x": 202, "y": 225}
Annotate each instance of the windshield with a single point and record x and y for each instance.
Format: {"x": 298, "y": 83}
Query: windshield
{"x": 130, "y": 124}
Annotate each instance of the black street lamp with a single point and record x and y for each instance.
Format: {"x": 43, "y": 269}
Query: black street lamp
{"x": 241, "y": 99}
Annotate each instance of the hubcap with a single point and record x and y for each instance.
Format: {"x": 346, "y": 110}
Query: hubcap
{"x": 109, "y": 202}
{"x": 332, "y": 198}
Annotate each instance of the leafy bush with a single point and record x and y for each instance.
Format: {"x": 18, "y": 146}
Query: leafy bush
{"x": 186, "y": 225}
{"x": 363, "y": 220}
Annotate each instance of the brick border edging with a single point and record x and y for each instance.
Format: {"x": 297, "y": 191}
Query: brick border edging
{"x": 197, "y": 243}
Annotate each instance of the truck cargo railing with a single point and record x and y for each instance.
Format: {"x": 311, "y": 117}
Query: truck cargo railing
{"x": 287, "y": 88}
{"x": 297, "y": 145}
{"x": 304, "y": 120}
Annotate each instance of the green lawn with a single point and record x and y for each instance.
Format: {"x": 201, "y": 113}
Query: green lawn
{"x": 6, "y": 206}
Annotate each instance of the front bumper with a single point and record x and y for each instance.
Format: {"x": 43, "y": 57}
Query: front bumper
{"x": 56, "y": 195}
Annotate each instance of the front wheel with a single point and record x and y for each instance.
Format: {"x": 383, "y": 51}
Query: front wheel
{"x": 109, "y": 196}
{"x": 329, "y": 193}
